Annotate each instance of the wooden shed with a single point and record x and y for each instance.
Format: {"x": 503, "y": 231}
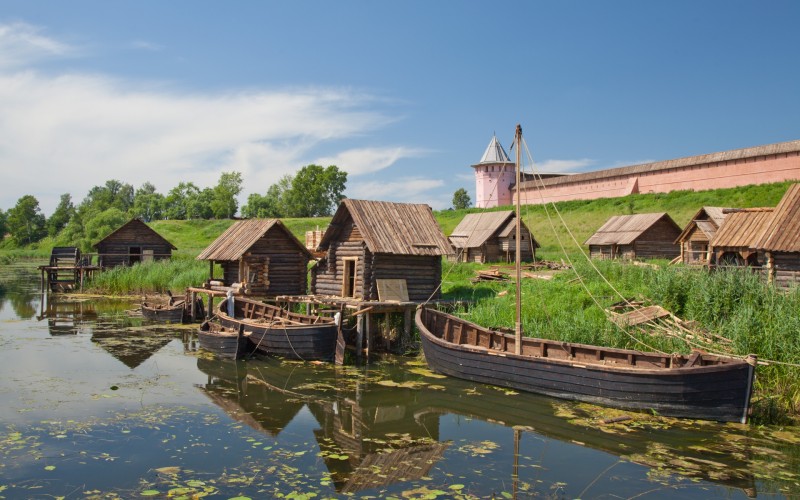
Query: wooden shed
{"x": 736, "y": 240}
{"x": 780, "y": 241}
{"x": 263, "y": 256}
{"x": 491, "y": 237}
{"x": 698, "y": 233}
{"x": 640, "y": 236}
{"x": 133, "y": 242}
{"x": 370, "y": 244}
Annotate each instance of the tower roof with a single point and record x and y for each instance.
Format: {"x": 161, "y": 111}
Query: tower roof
{"x": 494, "y": 153}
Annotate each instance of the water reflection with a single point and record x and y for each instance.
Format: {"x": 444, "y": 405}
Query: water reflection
{"x": 65, "y": 315}
{"x": 389, "y": 426}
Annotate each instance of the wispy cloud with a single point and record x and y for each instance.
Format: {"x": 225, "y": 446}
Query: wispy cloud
{"x": 22, "y": 44}
{"x": 369, "y": 160}
{"x": 565, "y": 166}
{"x": 145, "y": 45}
{"x": 408, "y": 190}
{"x": 68, "y": 132}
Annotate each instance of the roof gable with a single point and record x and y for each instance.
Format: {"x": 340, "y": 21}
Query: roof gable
{"x": 782, "y": 233}
{"x": 235, "y": 241}
{"x": 625, "y": 229}
{"x": 390, "y": 228}
{"x": 707, "y": 219}
{"x": 136, "y": 224}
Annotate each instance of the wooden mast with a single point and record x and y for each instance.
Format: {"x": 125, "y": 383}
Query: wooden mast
{"x": 517, "y": 267}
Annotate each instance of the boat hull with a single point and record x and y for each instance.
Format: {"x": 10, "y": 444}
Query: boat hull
{"x": 223, "y": 342}
{"x": 719, "y": 392}
{"x": 163, "y": 314}
{"x": 277, "y": 332}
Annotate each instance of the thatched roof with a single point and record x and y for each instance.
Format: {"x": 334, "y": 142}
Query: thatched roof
{"x": 241, "y": 236}
{"x": 743, "y": 228}
{"x": 735, "y": 154}
{"x": 390, "y": 228}
{"x": 782, "y": 233}
{"x": 475, "y": 229}
{"x": 135, "y": 225}
{"x": 707, "y": 219}
{"x": 625, "y": 229}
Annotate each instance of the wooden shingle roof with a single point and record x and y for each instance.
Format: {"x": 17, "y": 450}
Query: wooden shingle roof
{"x": 742, "y": 228}
{"x": 475, "y": 229}
{"x": 138, "y": 225}
{"x": 707, "y": 219}
{"x": 243, "y": 234}
{"x": 625, "y": 229}
{"x": 390, "y": 228}
{"x": 782, "y": 233}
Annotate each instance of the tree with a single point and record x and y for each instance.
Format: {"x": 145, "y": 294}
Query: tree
{"x": 61, "y": 216}
{"x": 3, "y": 224}
{"x": 200, "y": 206}
{"x": 101, "y": 225}
{"x": 461, "y": 199}
{"x": 264, "y": 207}
{"x": 179, "y": 200}
{"x": 26, "y": 223}
{"x": 147, "y": 203}
{"x": 315, "y": 191}
{"x": 224, "y": 203}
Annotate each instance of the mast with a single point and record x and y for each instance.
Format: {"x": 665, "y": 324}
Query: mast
{"x": 517, "y": 267}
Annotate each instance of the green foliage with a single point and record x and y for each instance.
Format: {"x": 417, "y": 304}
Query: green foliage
{"x": 461, "y": 199}
{"x": 101, "y": 225}
{"x": 223, "y": 201}
{"x": 61, "y": 216}
{"x": 25, "y": 221}
{"x": 147, "y": 203}
{"x": 3, "y": 225}
{"x": 316, "y": 191}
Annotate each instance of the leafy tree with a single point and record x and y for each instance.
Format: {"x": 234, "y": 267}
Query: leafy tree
{"x": 179, "y": 201}
{"x": 315, "y": 191}
{"x": 200, "y": 206}
{"x": 147, "y": 203}
{"x": 461, "y": 199}
{"x": 101, "y": 225}
{"x": 26, "y": 223}
{"x": 3, "y": 224}
{"x": 264, "y": 207}
{"x": 224, "y": 203}
{"x": 61, "y": 216}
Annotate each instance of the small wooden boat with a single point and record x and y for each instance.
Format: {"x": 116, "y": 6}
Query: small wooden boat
{"x": 222, "y": 341}
{"x": 698, "y": 386}
{"x": 164, "y": 311}
{"x": 279, "y": 332}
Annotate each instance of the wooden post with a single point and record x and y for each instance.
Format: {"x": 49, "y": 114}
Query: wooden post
{"x": 192, "y": 306}
{"x": 770, "y": 268}
{"x": 41, "y": 280}
{"x": 407, "y": 318}
{"x": 368, "y": 328}
{"x": 210, "y": 305}
{"x": 359, "y": 335}
{"x": 386, "y": 341}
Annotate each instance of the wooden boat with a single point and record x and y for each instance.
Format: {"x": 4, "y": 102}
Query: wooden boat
{"x": 165, "y": 311}
{"x": 698, "y": 386}
{"x": 222, "y": 341}
{"x": 279, "y": 332}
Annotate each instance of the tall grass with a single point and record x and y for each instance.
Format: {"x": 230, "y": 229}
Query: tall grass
{"x": 736, "y": 304}
{"x": 174, "y": 275}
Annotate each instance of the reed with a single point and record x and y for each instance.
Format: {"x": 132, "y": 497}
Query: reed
{"x": 174, "y": 275}
{"x": 735, "y": 304}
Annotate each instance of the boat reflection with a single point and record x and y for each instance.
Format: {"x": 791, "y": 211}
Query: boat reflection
{"x": 384, "y": 426}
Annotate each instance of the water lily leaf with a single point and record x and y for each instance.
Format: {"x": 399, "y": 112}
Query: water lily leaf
{"x": 457, "y": 487}
{"x": 50, "y": 467}
{"x": 168, "y": 470}
{"x": 150, "y": 493}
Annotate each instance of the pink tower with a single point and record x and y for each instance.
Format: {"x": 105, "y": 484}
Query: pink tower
{"x": 494, "y": 176}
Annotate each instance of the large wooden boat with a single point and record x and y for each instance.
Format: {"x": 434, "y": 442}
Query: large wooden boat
{"x": 163, "y": 311}
{"x": 224, "y": 342}
{"x": 277, "y": 331}
{"x": 699, "y": 386}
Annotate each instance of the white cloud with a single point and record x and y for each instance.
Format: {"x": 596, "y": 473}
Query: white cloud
{"x": 21, "y": 44}
{"x": 67, "y": 133}
{"x": 145, "y": 45}
{"x": 369, "y": 160}
{"x": 565, "y": 166}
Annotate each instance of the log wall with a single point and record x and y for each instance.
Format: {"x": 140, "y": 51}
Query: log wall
{"x": 786, "y": 269}
{"x": 115, "y": 250}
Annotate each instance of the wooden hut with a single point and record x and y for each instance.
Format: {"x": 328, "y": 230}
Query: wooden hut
{"x": 698, "y": 233}
{"x": 640, "y": 236}
{"x": 133, "y": 242}
{"x": 780, "y": 241}
{"x": 736, "y": 240}
{"x": 371, "y": 244}
{"x": 261, "y": 255}
{"x": 491, "y": 237}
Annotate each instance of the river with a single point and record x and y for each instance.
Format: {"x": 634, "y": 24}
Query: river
{"x": 96, "y": 403}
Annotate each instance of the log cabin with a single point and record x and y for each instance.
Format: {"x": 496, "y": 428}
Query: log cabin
{"x": 735, "y": 243}
{"x": 262, "y": 256}
{"x": 639, "y": 236}
{"x": 780, "y": 241}
{"x": 696, "y": 237}
{"x": 370, "y": 241}
{"x": 133, "y": 242}
{"x": 491, "y": 237}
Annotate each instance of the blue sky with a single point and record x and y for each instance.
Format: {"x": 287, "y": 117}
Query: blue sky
{"x": 404, "y": 96}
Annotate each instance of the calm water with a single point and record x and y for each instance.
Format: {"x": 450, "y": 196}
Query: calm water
{"x": 96, "y": 404}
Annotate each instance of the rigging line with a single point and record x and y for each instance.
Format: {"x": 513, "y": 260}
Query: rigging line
{"x": 563, "y": 249}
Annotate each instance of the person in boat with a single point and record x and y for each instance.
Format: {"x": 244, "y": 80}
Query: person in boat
{"x": 230, "y": 304}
